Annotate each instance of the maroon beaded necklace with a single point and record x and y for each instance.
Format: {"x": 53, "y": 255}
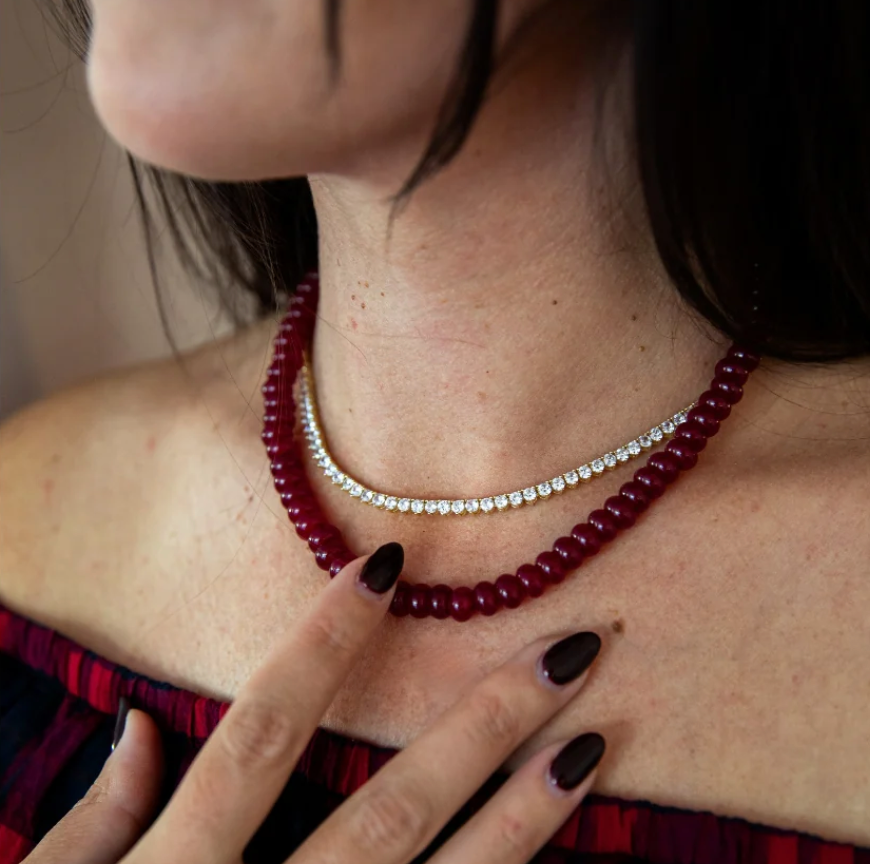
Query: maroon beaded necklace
{"x": 530, "y": 580}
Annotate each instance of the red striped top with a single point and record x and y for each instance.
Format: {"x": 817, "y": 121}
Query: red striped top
{"x": 57, "y": 707}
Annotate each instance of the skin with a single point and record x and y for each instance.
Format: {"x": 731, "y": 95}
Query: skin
{"x": 517, "y": 322}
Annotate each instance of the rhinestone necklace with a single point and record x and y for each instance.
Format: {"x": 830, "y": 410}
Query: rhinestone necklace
{"x": 467, "y": 505}
{"x": 530, "y": 580}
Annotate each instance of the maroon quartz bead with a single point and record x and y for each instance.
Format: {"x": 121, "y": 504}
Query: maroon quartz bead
{"x": 462, "y": 605}
{"x": 705, "y": 419}
{"x": 486, "y": 599}
{"x": 399, "y": 603}
{"x": 636, "y": 494}
{"x": 731, "y": 370}
{"x": 301, "y": 508}
{"x": 269, "y": 389}
{"x": 692, "y": 434}
{"x": 651, "y": 480}
{"x": 306, "y": 522}
{"x": 570, "y": 551}
{"x": 338, "y": 564}
{"x": 711, "y": 401}
{"x": 419, "y": 600}
{"x": 439, "y": 603}
{"x": 749, "y": 360}
{"x": 321, "y": 534}
{"x": 621, "y": 510}
{"x": 328, "y": 552}
{"x": 731, "y": 392}
{"x": 533, "y": 579}
{"x": 604, "y": 523}
{"x": 587, "y": 538}
{"x": 552, "y": 566}
{"x": 684, "y": 454}
{"x": 666, "y": 465}
{"x": 511, "y": 590}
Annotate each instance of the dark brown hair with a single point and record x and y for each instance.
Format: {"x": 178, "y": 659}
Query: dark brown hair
{"x": 752, "y": 125}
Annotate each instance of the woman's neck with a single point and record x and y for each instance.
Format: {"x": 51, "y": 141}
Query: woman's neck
{"x": 517, "y": 320}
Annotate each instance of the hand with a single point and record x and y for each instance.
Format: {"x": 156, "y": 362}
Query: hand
{"x": 236, "y": 778}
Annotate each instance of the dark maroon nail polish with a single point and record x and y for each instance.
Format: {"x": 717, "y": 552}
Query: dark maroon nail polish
{"x": 569, "y": 659}
{"x": 381, "y": 571}
{"x": 121, "y": 721}
{"x": 575, "y": 761}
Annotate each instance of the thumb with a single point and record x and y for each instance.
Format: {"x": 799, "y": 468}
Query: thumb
{"x": 118, "y": 807}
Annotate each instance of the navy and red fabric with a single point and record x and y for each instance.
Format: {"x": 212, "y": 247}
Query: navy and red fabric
{"x": 57, "y": 711}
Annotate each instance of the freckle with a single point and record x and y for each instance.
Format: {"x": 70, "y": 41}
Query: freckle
{"x": 481, "y": 395}
{"x": 151, "y": 444}
{"x": 353, "y": 296}
{"x": 555, "y": 302}
{"x": 353, "y": 324}
{"x": 795, "y": 679}
{"x": 643, "y": 347}
{"x": 362, "y": 305}
{"x": 366, "y": 284}
{"x": 618, "y": 626}
{"x": 250, "y": 499}
{"x": 382, "y": 294}
{"x": 634, "y": 317}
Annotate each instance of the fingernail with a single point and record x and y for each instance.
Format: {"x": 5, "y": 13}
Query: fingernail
{"x": 569, "y": 659}
{"x": 121, "y": 722}
{"x": 381, "y": 571}
{"x": 575, "y": 761}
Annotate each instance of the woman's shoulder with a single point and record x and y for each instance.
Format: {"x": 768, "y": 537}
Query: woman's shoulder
{"x": 80, "y": 469}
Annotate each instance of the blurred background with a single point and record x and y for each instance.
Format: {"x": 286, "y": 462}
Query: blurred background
{"x": 76, "y": 297}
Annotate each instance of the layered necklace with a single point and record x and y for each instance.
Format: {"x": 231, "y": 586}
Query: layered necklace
{"x": 683, "y": 436}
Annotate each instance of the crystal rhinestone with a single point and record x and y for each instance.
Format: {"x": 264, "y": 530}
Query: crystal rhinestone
{"x": 458, "y": 507}
{"x": 633, "y": 448}
{"x": 431, "y": 507}
{"x": 545, "y": 490}
{"x": 347, "y": 484}
{"x": 472, "y": 505}
{"x": 679, "y": 418}
{"x": 530, "y": 494}
{"x": 404, "y": 505}
{"x": 668, "y": 427}
{"x": 622, "y": 454}
{"x": 501, "y": 501}
{"x": 338, "y": 478}
{"x": 515, "y": 498}
{"x": 331, "y": 470}
{"x": 609, "y": 460}
{"x": 598, "y": 466}
{"x": 356, "y": 490}
{"x": 558, "y": 484}
{"x": 585, "y": 473}
{"x": 367, "y": 496}
{"x": 572, "y": 478}
{"x": 656, "y": 434}
{"x": 487, "y": 504}
{"x": 645, "y": 441}
{"x": 417, "y": 506}
{"x": 379, "y": 500}
{"x": 391, "y": 503}
{"x": 443, "y": 507}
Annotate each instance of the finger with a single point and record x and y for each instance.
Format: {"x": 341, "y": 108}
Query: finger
{"x": 398, "y": 812}
{"x": 529, "y": 808}
{"x": 117, "y": 808}
{"x": 234, "y": 782}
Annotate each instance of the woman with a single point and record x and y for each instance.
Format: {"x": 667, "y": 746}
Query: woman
{"x": 539, "y": 226}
